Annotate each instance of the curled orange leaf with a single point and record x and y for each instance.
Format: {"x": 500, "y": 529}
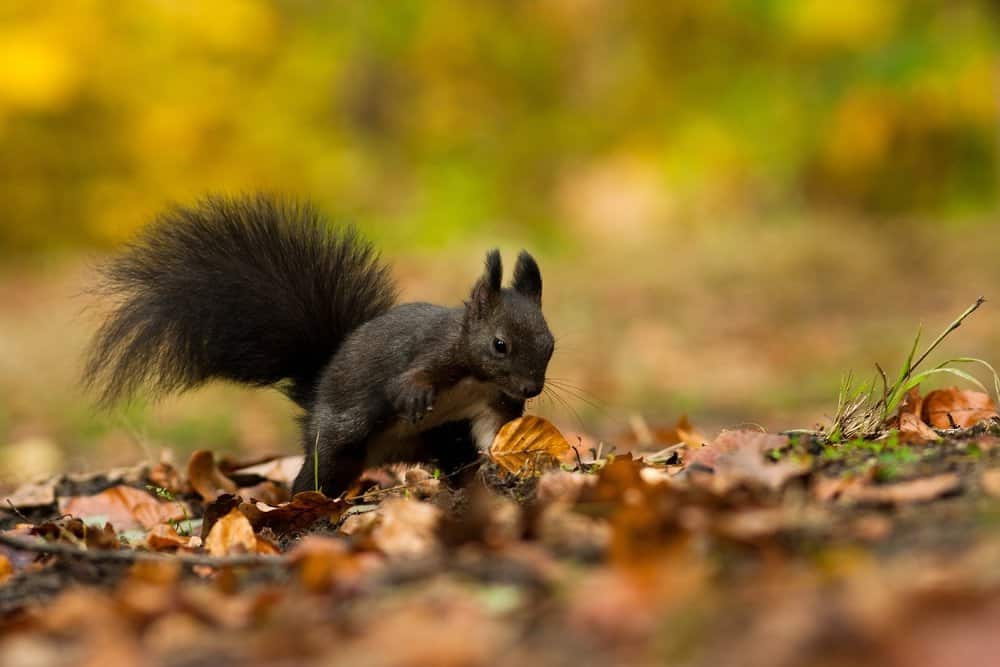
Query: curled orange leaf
{"x": 526, "y": 444}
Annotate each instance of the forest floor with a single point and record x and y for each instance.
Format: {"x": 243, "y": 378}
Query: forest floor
{"x": 662, "y": 546}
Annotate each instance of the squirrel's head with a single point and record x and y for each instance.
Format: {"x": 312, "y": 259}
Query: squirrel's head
{"x": 508, "y": 341}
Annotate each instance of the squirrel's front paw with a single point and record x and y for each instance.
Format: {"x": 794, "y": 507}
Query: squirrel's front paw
{"x": 415, "y": 402}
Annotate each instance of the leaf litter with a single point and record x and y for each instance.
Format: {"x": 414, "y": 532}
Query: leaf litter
{"x": 748, "y": 548}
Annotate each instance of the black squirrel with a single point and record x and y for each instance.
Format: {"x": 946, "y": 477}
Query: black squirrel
{"x": 261, "y": 291}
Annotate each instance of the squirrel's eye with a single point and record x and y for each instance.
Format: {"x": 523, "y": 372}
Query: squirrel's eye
{"x": 500, "y": 346}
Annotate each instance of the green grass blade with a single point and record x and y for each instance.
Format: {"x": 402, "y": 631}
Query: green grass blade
{"x": 908, "y": 366}
{"x": 896, "y": 391}
{"x": 974, "y": 360}
{"x": 923, "y": 375}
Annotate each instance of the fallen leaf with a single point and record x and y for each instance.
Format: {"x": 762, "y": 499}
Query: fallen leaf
{"x": 165, "y": 537}
{"x": 323, "y": 562}
{"x": 964, "y": 407}
{"x": 126, "y": 507}
{"x": 421, "y": 483}
{"x": 526, "y": 444}
{"x": 233, "y": 534}
{"x": 165, "y": 476}
{"x": 619, "y": 481}
{"x": 282, "y": 469}
{"x": 912, "y": 402}
{"x": 728, "y": 442}
{"x": 642, "y": 434}
{"x": 267, "y": 491}
{"x": 6, "y": 569}
{"x": 399, "y": 528}
{"x": 740, "y": 457}
{"x": 18, "y": 558}
{"x": 37, "y": 494}
{"x": 914, "y": 431}
{"x": 74, "y": 531}
{"x": 149, "y": 589}
{"x": 217, "y": 509}
{"x": 901, "y": 493}
{"x": 561, "y": 486}
{"x": 206, "y": 478}
{"x": 304, "y": 509}
{"x": 643, "y": 515}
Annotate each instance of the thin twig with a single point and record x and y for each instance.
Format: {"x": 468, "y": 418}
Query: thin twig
{"x": 367, "y": 495}
{"x": 16, "y": 511}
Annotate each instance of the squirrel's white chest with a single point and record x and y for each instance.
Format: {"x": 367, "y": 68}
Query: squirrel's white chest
{"x": 467, "y": 400}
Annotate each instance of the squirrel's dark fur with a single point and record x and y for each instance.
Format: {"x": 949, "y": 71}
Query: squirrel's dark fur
{"x": 262, "y": 292}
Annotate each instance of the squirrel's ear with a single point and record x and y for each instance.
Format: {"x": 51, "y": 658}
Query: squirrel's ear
{"x": 486, "y": 291}
{"x": 527, "y": 278}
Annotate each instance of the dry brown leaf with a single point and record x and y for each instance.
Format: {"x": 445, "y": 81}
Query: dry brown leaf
{"x": 912, "y": 402}
{"x": 38, "y": 494}
{"x": 302, "y": 511}
{"x": 267, "y": 491}
{"x": 323, "y": 562}
{"x": 165, "y": 538}
{"x": 561, "y": 486}
{"x": 526, "y": 444}
{"x": 641, "y": 434}
{"x": 206, "y": 478}
{"x": 406, "y": 528}
{"x": 643, "y": 516}
{"x": 688, "y": 434}
{"x": 619, "y": 481}
{"x": 913, "y": 431}
{"x": 18, "y": 559}
{"x": 124, "y": 506}
{"x": 282, "y": 470}
{"x": 149, "y": 590}
{"x": 954, "y": 407}
{"x": 399, "y": 528}
{"x": 233, "y": 534}
{"x": 728, "y": 442}
{"x": 421, "y": 483}
{"x": 165, "y": 476}
{"x": 6, "y": 569}
{"x": 901, "y": 493}
{"x": 74, "y": 531}
{"x": 740, "y": 457}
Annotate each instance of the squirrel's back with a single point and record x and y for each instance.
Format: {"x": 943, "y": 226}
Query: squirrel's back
{"x": 253, "y": 290}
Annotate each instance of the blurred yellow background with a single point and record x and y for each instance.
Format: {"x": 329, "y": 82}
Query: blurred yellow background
{"x": 733, "y": 201}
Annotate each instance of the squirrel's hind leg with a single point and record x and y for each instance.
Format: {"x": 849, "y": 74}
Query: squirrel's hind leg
{"x": 334, "y": 444}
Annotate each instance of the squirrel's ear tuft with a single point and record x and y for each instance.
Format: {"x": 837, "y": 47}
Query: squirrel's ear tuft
{"x": 527, "y": 278}
{"x": 486, "y": 291}
{"x": 494, "y": 270}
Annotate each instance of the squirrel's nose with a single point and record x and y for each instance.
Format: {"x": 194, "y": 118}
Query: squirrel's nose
{"x": 531, "y": 389}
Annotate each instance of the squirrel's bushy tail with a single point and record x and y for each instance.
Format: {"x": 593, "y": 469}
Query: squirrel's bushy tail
{"x": 253, "y": 290}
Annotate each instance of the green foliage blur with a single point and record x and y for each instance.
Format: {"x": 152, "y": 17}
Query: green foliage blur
{"x": 428, "y": 120}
